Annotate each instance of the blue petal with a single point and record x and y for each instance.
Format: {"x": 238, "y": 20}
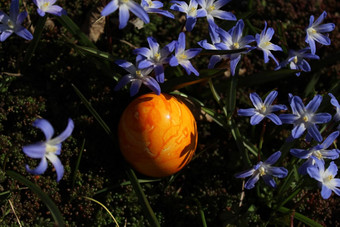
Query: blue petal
{"x": 237, "y": 31}
{"x": 269, "y": 180}
{"x": 190, "y": 53}
{"x": 278, "y": 107}
{"x": 173, "y": 61}
{"x": 24, "y": 33}
{"x": 110, "y": 8}
{"x": 189, "y": 68}
{"x": 245, "y": 173}
{"x": 128, "y": 66}
{"x": 135, "y": 86}
{"x": 180, "y": 43}
{"x": 37, "y": 150}
{"x": 298, "y": 130}
{"x": 218, "y": 4}
{"x": 314, "y": 132}
{"x": 311, "y": 43}
{"x": 325, "y": 27}
{"x": 142, "y": 51}
{"x": 57, "y": 165}
{"x": 334, "y": 101}
{"x": 270, "y": 98}
{"x": 313, "y": 172}
{"x": 44, "y": 126}
{"x": 233, "y": 64}
{"x": 154, "y": 46}
{"x": 21, "y": 17}
{"x": 41, "y": 168}
{"x": 246, "y": 112}
{"x": 124, "y": 16}
{"x": 314, "y": 104}
{"x": 4, "y": 35}
{"x": 223, "y": 15}
{"x": 213, "y": 61}
{"x": 65, "y": 134}
{"x": 332, "y": 169}
{"x": 274, "y": 118}
{"x": 256, "y": 119}
{"x": 41, "y": 13}
{"x": 303, "y": 169}
{"x": 145, "y": 64}
{"x": 151, "y": 83}
{"x": 297, "y": 106}
{"x": 138, "y": 11}
{"x": 273, "y": 158}
{"x": 300, "y": 153}
{"x": 288, "y": 118}
{"x": 124, "y": 81}
{"x": 14, "y": 9}
{"x": 322, "y": 118}
{"x": 279, "y": 172}
{"x": 56, "y": 10}
{"x": 252, "y": 181}
{"x": 256, "y": 100}
{"x": 304, "y": 66}
{"x": 330, "y": 139}
{"x": 320, "y": 18}
{"x": 190, "y": 23}
{"x": 325, "y": 192}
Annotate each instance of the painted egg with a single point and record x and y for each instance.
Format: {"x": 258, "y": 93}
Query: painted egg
{"x": 157, "y": 134}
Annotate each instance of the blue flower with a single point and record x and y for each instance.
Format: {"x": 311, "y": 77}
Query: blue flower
{"x": 182, "y": 56}
{"x": 296, "y": 60}
{"x": 264, "y": 170}
{"x": 47, "y": 6}
{"x": 48, "y": 149}
{"x": 317, "y": 152}
{"x": 262, "y": 109}
{"x": 154, "y": 7}
{"x": 190, "y": 10}
{"x": 212, "y": 9}
{"x": 264, "y": 44}
{"x": 12, "y": 23}
{"x": 305, "y": 118}
{"x": 124, "y": 7}
{"x": 335, "y": 103}
{"x": 154, "y": 57}
{"x": 233, "y": 40}
{"x": 136, "y": 76}
{"x": 326, "y": 178}
{"x": 314, "y": 30}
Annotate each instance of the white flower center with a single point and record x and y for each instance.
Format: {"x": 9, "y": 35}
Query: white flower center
{"x": 262, "y": 171}
{"x": 305, "y": 118}
{"x": 157, "y": 57}
{"x": 10, "y": 24}
{"x": 311, "y": 31}
{"x": 192, "y": 11}
{"x": 317, "y": 154}
{"x": 295, "y": 60}
{"x": 124, "y": 1}
{"x": 236, "y": 45}
{"x": 182, "y": 57}
{"x": 45, "y": 6}
{"x": 211, "y": 8}
{"x": 264, "y": 45}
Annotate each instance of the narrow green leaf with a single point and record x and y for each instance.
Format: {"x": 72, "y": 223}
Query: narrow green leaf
{"x": 97, "y": 53}
{"x": 142, "y": 198}
{"x": 300, "y": 217}
{"x": 216, "y": 117}
{"x": 217, "y": 97}
{"x": 102, "y": 205}
{"x": 232, "y": 95}
{"x": 58, "y": 218}
{"x": 265, "y": 77}
{"x": 93, "y": 111}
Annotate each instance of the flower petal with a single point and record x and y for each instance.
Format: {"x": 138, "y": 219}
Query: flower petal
{"x": 314, "y": 132}
{"x": 138, "y": 11}
{"x": 269, "y": 180}
{"x": 57, "y": 165}
{"x": 128, "y": 66}
{"x": 330, "y": 139}
{"x": 64, "y": 135}
{"x": 151, "y": 83}
{"x": 298, "y": 130}
{"x": 325, "y": 192}
{"x": 124, "y": 16}
{"x": 135, "y": 86}
{"x": 44, "y": 126}
{"x": 256, "y": 100}
{"x": 313, "y": 172}
{"x": 245, "y": 173}
{"x": 256, "y": 119}
{"x": 252, "y": 181}
{"x": 273, "y": 158}
{"x": 270, "y": 98}
{"x": 41, "y": 168}
{"x": 110, "y": 8}
{"x": 246, "y": 112}
{"x": 274, "y": 118}
{"x": 37, "y": 150}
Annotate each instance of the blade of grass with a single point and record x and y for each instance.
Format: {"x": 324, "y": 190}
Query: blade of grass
{"x": 97, "y": 53}
{"x": 57, "y": 216}
{"x": 300, "y": 217}
{"x": 102, "y": 205}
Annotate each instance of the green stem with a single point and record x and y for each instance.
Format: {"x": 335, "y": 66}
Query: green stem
{"x": 261, "y": 140}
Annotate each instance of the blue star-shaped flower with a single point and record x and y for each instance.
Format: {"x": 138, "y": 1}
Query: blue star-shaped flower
{"x": 305, "y": 118}
{"x": 47, "y": 6}
{"x": 315, "y": 29}
{"x": 326, "y": 178}
{"x": 319, "y": 151}
{"x": 154, "y": 7}
{"x": 12, "y": 23}
{"x": 182, "y": 56}
{"x": 136, "y": 77}
{"x": 262, "y": 109}
{"x": 335, "y": 103}
{"x": 48, "y": 149}
{"x": 264, "y": 170}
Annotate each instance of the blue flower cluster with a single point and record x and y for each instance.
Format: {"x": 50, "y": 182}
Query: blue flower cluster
{"x": 304, "y": 118}
{"x": 12, "y": 23}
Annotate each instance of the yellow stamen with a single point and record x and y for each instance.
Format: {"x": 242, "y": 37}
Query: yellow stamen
{"x": 305, "y": 119}
{"x": 51, "y": 148}
{"x": 262, "y": 171}
{"x": 318, "y": 154}
{"x": 157, "y": 56}
{"x": 211, "y": 8}
{"x": 263, "y": 109}
{"x": 10, "y": 24}
{"x": 311, "y": 31}
{"x": 236, "y": 45}
{"x": 139, "y": 74}
{"x": 183, "y": 56}
{"x": 295, "y": 60}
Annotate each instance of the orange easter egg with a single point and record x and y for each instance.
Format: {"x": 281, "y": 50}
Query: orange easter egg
{"x": 157, "y": 134}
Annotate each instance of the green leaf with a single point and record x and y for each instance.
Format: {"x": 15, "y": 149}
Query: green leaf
{"x": 97, "y": 53}
{"x": 265, "y": 77}
{"x": 300, "y": 217}
{"x": 58, "y": 218}
{"x": 75, "y": 30}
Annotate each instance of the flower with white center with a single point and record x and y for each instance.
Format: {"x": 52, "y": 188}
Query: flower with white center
{"x": 47, "y": 6}
{"x": 154, "y": 57}
{"x": 296, "y": 60}
{"x": 304, "y": 117}
{"x": 233, "y": 40}
{"x": 12, "y": 23}
{"x": 264, "y": 170}
{"x": 154, "y": 7}
{"x": 262, "y": 109}
{"x": 137, "y": 77}
{"x": 190, "y": 10}
{"x": 48, "y": 149}
{"x": 182, "y": 56}
{"x": 326, "y": 178}
{"x": 212, "y": 9}
{"x": 124, "y": 7}
{"x": 264, "y": 44}
{"x": 335, "y": 103}
{"x": 319, "y": 152}
{"x": 315, "y": 29}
